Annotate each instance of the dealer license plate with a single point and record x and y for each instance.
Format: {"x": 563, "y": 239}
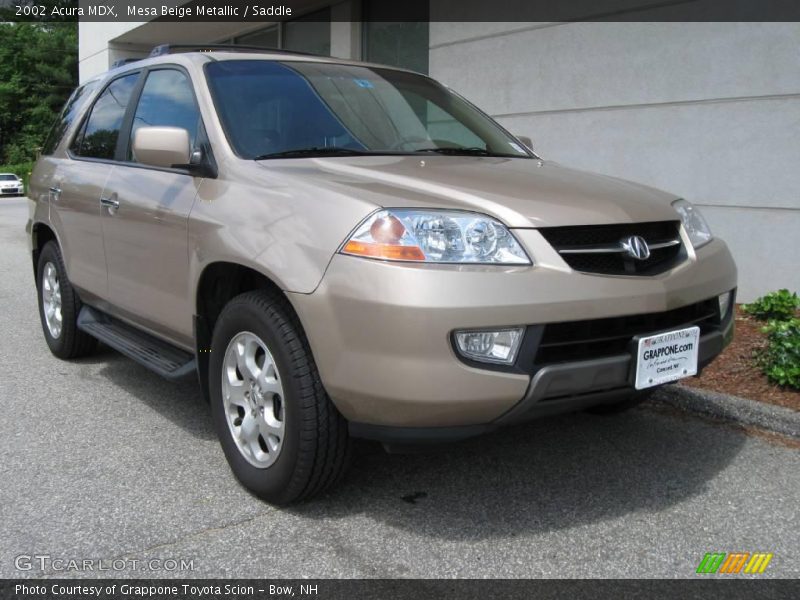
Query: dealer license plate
{"x": 667, "y": 357}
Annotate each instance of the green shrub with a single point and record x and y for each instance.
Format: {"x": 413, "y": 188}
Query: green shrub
{"x": 22, "y": 170}
{"x": 780, "y": 361}
{"x": 780, "y": 305}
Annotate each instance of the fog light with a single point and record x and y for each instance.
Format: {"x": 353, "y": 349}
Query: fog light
{"x": 499, "y": 346}
{"x": 724, "y": 304}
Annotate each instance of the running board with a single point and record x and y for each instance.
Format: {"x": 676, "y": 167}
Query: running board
{"x": 157, "y": 355}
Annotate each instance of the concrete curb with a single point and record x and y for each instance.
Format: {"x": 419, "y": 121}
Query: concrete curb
{"x": 731, "y": 409}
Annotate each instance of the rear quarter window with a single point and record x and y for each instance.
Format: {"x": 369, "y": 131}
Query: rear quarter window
{"x": 71, "y": 109}
{"x": 100, "y": 132}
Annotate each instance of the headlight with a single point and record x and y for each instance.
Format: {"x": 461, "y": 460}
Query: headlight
{"x": 694, "y": 223}
{"x": 435, "y": 236}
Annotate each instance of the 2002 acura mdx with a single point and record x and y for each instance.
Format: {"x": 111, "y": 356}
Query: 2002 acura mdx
{"x": 341, "y": 250}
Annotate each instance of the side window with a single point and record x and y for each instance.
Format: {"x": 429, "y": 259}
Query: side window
{"x": 167, "y": 100}
{"x": 68, "y": 113}
{"x": 98, "y": 139}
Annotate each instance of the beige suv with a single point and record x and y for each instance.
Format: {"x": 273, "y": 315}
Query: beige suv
{"x": 338, "y": 250}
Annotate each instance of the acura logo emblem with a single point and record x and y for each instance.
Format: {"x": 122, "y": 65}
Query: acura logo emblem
{"x": 636, "y": 247}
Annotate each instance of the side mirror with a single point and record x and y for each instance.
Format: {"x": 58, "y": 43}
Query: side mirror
{"x": 526, "y": 140}
{"x": 161, "y": 146}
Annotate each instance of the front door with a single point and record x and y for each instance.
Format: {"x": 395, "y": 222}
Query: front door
{"x": 145, "y": 218}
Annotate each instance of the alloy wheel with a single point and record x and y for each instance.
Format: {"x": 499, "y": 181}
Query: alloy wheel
{"x": 51, "y": 300}
{"x": 253, "y": 398}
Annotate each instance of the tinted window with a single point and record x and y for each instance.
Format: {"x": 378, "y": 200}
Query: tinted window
{"x": 68, "y": 114}
{"x": 101, "y": 130}
{"x": 167, "y": 100}
{"x": 270, "y": 107}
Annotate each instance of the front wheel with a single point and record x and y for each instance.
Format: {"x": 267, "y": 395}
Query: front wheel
{"x": 281, "y": 434}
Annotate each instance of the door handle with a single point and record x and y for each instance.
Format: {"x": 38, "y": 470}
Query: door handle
{"x": 111, "y": 204}
{"x": 55, "y": 194}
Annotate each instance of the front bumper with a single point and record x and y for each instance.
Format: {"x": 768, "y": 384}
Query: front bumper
{"x": 381, "y": 336}
{"x": 12, "y": 192}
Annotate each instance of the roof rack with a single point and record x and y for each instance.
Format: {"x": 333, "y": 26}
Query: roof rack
{"x": 124, "y": 61}
{"x": 163, "y": 49}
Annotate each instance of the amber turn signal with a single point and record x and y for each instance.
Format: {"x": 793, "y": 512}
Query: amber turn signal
{"x": 385, "y": 251}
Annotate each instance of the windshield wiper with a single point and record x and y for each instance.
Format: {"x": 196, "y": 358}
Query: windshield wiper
{"x": 457, "y": 151}
{"x": 314, "y": 151}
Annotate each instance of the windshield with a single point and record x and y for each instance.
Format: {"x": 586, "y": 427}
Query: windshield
{"x": 288, "y": 109}
{"x": 8, "y": 178}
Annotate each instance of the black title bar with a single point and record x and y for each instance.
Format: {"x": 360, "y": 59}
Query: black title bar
{"x": 402, "y": 10}
{"x": 404, "y": 589}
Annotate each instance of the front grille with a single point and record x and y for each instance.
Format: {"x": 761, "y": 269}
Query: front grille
{"x": 590, "y": 240}
{"x": 595, "y": 338}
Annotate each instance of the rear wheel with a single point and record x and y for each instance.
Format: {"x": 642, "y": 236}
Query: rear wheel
{"x": 59, "y": 306}
{"x": 281, "y": 434}
{"x": 635, "y": 399}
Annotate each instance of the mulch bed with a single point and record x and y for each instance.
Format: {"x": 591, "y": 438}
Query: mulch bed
{"x": 735, "y": 372}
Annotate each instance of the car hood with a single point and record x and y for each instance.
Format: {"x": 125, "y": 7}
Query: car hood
{"x": 520, "y": 192}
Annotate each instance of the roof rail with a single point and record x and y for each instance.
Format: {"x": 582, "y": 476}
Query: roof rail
{"x": 163, "y": 49}
{"x": 124, "y": 61}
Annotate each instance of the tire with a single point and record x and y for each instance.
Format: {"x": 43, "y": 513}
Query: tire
{"x": 286, "y": 441}
{"x": 66, "y": 341}
{"x": 634, "y": 399}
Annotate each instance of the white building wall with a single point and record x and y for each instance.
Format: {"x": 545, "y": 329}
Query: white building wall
{"x": 96, "y": 52}
{"x": 709, "y": 111}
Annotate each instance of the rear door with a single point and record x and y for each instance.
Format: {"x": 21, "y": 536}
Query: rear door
{"x": 78, "y": 183}
{"x": 145, "y": 238}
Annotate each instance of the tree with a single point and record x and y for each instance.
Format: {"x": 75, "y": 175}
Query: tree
{"x": 38, "y": 71}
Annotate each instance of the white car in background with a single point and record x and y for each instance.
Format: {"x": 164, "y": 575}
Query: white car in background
{"x": 11, "y": 185}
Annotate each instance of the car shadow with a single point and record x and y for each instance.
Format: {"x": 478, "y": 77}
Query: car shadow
{"x": 180, "y": 402}
{"x": 546, "y": 475}
{"x": 550, "y": 474}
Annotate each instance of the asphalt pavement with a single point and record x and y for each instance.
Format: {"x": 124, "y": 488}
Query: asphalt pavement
{"x": 102, "y": 460}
